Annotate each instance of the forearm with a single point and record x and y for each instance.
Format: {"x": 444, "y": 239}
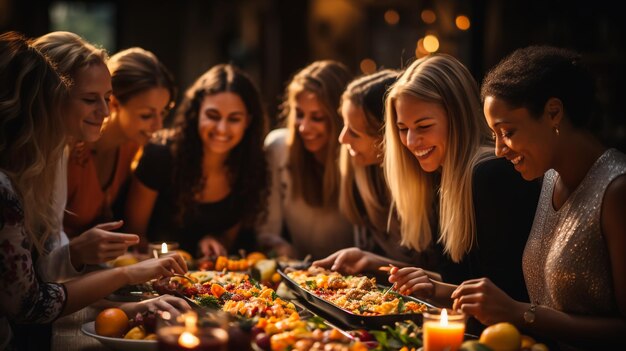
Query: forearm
{"x": 582, "y": 331}
{"x": 92, "y": 287}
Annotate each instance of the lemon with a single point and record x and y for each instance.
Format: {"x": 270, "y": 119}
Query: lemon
{"x": 501, "y": 337}
{"x": 124, "y": 260}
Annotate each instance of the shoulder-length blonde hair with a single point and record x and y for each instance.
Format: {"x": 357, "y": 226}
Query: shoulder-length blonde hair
{"x": 32, "y": 133}
{"x": 440, "y": 79}
{"x": 327, "y": 80}
{"x": 364, "y": 196}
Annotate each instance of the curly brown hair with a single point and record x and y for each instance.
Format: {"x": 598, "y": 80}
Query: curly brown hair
{"x": 246, "y": 162}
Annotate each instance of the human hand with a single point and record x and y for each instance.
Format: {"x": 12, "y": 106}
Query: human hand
{"x": 349, "y": 261}
{"x": 165, "y": 266}
{"x": 482, "y": 299}
{"x": 209, "y": 246}
{"x": 284, "y": 250}
{"x": 412, "y": 280}
{"x": 174, "y": 305}
{"x": 99, "y": 244}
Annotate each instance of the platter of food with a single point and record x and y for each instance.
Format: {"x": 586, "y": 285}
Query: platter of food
{"x": 354, "y": 301}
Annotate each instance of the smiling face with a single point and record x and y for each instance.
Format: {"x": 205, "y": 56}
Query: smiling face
{"x": 142, "y": 114}
{"x": 312, "y": 124}
{"x": 222, "y": 122}
{"x": 521, "y": 138}
{"x": 423, "y": 129}
{"x": 88, "y": 102}
{"x": 361, "y": 146}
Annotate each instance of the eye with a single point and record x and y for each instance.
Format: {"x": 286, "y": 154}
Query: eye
{"x": 146, "y": 116}
{"x": 402, "y": 130}
{"x": 425, "y": 127}
{"x": 89, "y": 100}
{"x": 213, "y": 117}
{"x": 352, "y": 133}
{"x": 507, "y": 134}
{"x": 299, "y": 115}
{"x": 234, "y": 119}
{"x": 319, "y": 118}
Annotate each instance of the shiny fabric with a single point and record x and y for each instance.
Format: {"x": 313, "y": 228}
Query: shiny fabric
{"x": 566, "y": 261}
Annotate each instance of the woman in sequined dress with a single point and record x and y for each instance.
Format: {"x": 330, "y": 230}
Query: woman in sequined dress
{"x": 539, "y": 104}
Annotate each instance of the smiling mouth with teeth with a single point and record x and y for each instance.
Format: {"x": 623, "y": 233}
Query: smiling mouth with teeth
{"x": 516, "y": 160}
{"x": 423, "y": 152}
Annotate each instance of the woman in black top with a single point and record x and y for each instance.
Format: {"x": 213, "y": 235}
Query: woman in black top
{"x": 204, "y": 183}
{"x": 447, "y": 186}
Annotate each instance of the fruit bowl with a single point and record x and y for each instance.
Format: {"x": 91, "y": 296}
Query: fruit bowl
{"x": 119, "y": 344}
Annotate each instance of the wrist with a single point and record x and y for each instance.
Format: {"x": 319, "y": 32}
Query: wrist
{"x": 75, "y": 258}
{"x": 524, "y": 314}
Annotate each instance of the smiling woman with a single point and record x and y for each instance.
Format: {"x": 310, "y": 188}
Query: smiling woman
{"x": 204, "y": 182}
{"x": 99, "y": 166}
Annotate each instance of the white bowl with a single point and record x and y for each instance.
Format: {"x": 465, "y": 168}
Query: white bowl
{"x": 119, "y": 343}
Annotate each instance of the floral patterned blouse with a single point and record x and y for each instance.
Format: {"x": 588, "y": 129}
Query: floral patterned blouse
{"x": 23, "y": 297}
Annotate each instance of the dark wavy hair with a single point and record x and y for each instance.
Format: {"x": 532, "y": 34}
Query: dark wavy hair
{"x": 246, "y": 162}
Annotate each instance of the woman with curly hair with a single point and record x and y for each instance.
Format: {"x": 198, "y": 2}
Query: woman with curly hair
{"x": 204, "y": 182}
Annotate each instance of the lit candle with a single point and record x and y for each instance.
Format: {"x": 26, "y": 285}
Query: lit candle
{"x": 443, "y": 332}
{"x": 190, "y": 337}
{"x": 163, "y": 249}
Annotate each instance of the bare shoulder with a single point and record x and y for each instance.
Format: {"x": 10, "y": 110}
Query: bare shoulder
{"x": 614, "y": 208}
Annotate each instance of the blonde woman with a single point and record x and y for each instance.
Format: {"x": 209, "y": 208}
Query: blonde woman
{"x": 33, "y": 133}
{"x": 364, "y": 197}
{"x": 143, "y": 93}
{"x": 303, "y": 159}
{"x": 85, "y": 110}
{"x": 448, "y": 188}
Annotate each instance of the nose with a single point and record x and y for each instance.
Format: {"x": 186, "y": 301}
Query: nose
{"x": 104, "y": 108}
{"x": 221, "y": 125}
{"x": 157, "y": 123}
{"x": 501, "y": 148}
{"x": 343, "y": 136}
{"x": 413, "y": 139}
{"x": 303, "y": 126}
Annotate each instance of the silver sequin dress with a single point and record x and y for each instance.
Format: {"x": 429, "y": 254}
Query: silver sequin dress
{"x": 566, "y": 262}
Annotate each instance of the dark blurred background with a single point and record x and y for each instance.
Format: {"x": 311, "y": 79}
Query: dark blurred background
{"x": 271, "y": 39}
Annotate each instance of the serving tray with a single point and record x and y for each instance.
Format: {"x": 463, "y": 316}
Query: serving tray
{"x": 347, "y": 318}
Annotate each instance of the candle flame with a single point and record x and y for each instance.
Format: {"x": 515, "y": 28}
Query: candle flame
{"x": 164, "y": 248}
{"x": 191, "y": 319}
{"x": 188, "y": 340}
{"x": 444, "y": 317}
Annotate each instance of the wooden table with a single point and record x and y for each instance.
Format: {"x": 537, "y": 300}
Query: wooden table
{"x": 66, "y": 334}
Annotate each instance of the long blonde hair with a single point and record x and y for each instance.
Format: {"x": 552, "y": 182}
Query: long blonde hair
{"x": 327, "y": 80}
{"x": 364, "y": 197}
{"x": 32, "y": 133}
{"x": 440, "y": 79}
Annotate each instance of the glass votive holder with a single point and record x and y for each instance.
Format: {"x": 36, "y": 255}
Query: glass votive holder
{"x": 185, "y": 333}
{"x": 443, "y": 329}
{"x": 161, "y": 249}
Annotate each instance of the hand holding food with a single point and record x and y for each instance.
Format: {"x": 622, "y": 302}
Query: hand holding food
{"x": 412, "y": 280}
{"x": 349, "y": 261}
{"x": 153, "y": 268}
{"x": 482, "y": 299}
{"x": 99, "y": 244}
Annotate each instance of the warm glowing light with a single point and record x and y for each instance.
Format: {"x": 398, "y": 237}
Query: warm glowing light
{"x": 188, "y": 340}
{"x": 368, "y": 66}
{"x": 166, "y": 315}
{"x": 444, "y": 317}
{"x": 428, "y": 16}
{"x": 392, "y": 17}
{"x": 462, "y": 22}
{"x": 431, "y": 43}
{"x": 191, "y": 319}
{"x": 419, "y": 50}
{"x": 164, "y": 248}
